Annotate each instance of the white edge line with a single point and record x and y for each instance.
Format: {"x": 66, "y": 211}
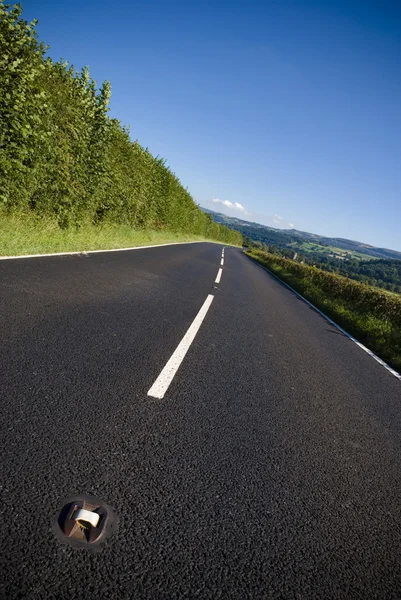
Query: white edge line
{"x": 99, "y": 251}
{"x": 348, "y": 335}
{"x": 160, "y": 386}
{"x": 219, "y": 272}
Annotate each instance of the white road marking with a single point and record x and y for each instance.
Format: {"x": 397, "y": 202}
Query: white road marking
{"x": 218, "y": 275}
{"x": 98, "y": 251}
{"x": 348, "y": 335}
{"x": 160, "y": 386}
{"x": 222, "y": 262}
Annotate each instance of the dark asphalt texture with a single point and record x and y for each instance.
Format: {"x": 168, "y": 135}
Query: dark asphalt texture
{"x": 271, "y": 469}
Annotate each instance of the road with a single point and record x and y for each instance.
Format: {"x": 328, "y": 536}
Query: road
{"x": 270, "y": 468}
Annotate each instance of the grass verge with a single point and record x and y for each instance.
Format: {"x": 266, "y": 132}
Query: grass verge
{"x": 370, "y": 314}
{"x": 21, "y": 235}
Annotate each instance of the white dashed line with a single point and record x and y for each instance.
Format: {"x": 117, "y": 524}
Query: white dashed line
{"x": 160, "y": 386}
{"x": 219, "y": 275}
{"x": 222, "y": 262}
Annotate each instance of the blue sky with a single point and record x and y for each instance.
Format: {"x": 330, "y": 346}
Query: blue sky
{"x": 289, "y": 109}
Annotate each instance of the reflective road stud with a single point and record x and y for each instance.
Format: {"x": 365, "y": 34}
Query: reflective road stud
{"x": 84, "y": 521}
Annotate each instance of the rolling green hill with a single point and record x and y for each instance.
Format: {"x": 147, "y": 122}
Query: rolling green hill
{"x": 302, "y": 241}
{"x": 378, "y": 267}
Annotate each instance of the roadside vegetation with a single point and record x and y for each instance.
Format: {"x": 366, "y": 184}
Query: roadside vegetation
{"x": 380, "y": 272}
{"x": 372, "y": 315}
{"x": 68, "y": 169}
{"x": 32, "y": 236}
{"x": 384, "y": 273}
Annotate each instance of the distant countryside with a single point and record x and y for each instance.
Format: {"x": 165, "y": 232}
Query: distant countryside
{"x": 379, "y": 267}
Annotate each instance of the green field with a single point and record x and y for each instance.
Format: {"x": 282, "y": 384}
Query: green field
{"x": 331, "y": 251}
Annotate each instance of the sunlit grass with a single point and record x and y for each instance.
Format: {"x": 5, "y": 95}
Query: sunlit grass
{"x": 21, "y": 235}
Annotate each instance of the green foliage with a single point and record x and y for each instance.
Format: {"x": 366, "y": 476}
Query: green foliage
{"x": 372, "y": 315}
{"x": 62, "y": 157}
{"x": 383, "y": 273}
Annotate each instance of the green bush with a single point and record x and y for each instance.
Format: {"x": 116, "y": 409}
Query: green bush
{"x": 62, "y": 157}
{"x": 370, "y": 314}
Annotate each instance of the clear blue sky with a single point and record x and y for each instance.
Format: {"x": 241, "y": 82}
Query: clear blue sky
{"x": 290, "y": 108}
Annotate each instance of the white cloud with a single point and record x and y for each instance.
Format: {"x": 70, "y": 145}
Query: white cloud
{"x": 278, "y": 217}
{"x": 291, "y": 225}
{"x": 224, "y": 202}
{"x": 231, "y": 205}
{"x": 277, "y": 221}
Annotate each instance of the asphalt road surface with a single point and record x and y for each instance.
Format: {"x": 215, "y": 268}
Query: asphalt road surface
{"x": 270, "y": 468}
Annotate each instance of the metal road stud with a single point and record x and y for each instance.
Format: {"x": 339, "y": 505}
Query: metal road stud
{"x": 85, "y": 521}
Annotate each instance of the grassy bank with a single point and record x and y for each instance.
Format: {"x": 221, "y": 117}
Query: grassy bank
{"x": 370, "y": 314}
{"x": 31, "y": 236}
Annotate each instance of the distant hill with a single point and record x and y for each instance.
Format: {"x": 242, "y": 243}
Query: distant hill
{"x": 302, "y": 241}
